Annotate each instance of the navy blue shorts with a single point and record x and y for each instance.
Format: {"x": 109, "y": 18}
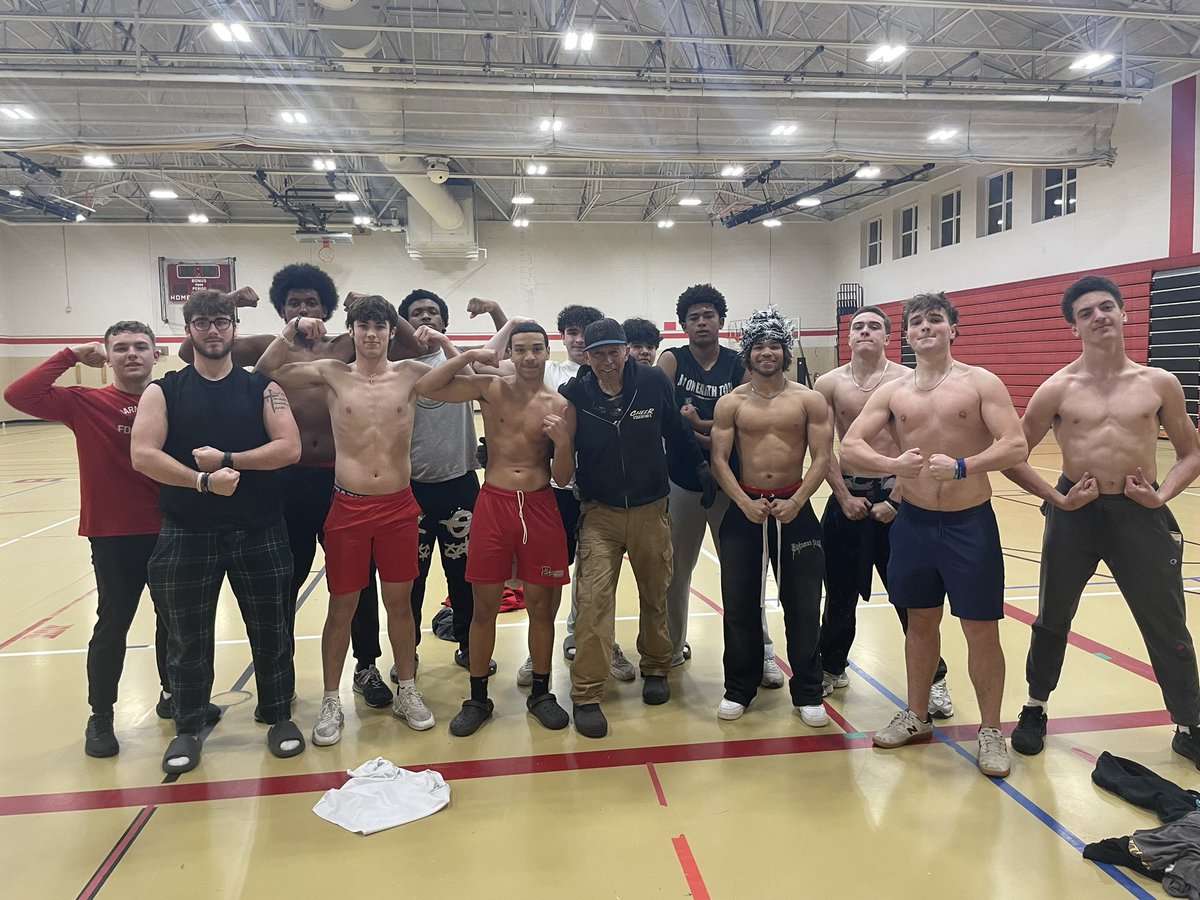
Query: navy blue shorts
{"x": 939, "y": 553}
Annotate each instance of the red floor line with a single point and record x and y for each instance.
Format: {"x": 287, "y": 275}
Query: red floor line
{"x": 784, "y": 667}
{"x": 40, "y": 622}
{"x": 312, "y": 782}
{"x": 658, "y": 788}
{"x": 691, "y": 871}
{"x": 1136, "y": 666}
{"x": 114, "y": 856}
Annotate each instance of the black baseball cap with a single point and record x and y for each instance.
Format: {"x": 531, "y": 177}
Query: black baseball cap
{"x": 601, "y": 332}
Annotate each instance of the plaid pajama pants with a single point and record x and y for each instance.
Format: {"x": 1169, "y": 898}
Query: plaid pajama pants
{"x": 185, "y": 576}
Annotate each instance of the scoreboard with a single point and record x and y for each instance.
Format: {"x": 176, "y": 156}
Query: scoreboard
{"x": 180, "y": 278}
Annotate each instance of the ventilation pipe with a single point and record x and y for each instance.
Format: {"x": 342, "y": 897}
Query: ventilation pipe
{"x": 436, "y": 199}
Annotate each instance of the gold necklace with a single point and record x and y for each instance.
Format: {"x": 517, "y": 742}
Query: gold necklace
{"x": 867, "y": 390}
{"x": 939, "y": 381}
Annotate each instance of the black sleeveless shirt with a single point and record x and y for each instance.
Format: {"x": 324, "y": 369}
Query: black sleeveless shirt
{"x": 227, "y": 415}
{"x": 702, "y": 389}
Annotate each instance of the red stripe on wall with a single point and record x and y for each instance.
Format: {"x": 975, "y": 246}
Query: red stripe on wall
{"x": 1183, "y": 166}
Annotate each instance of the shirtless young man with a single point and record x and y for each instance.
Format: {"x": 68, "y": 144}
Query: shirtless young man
{"x": 515, "y": 514}
{"x": 771, "y": 421}
{"x": 858, "y": 517}
{"x": 374, "y": 516}
{"x": 1106, "y": 507}
{"x": 954, "y": 423}
{"x": 301, "y": 289}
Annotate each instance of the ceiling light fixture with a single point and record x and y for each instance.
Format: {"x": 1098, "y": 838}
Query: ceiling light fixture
{"x": 771, "y": 223}
{"x": 555, "y": 125}
{"x": 24, "y": 113}
{"x": 198, "y": 218}
{"x": 287, "y": 117}
{"x": 535, "y": 168}
{"x": 221, "y": 30}
{"x": 666, "y": 223}
{"x": 16, "y": 192}
{"x": 240, "y": 33}
{"x": 17, "y": 113}
{"x": 100, "y": 161}
{"x": 1092, "y": 61}
{"x": 570, "y": 40}
{"x": 808, "y": 202}
{"x": 867, "y": 171}
{"x": 522, "y": 200}
{"x": 886, "y": 53}
{"x": 362, "y": 221}
{"x": 586, "y": 40}
{"x": 324, "y": 165}
{"x": 345, "y": 196}
{"x": 11, "y": 113}
{"x": 164, "y": 194}
{"x": 520, "y": 223}
{"x": 733, "y": 171}
{"x": 690, "y": 201}
{"x": 943, "y": 134}
{"x": 784, "y": 129}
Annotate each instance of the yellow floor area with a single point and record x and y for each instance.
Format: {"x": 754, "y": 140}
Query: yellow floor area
{"x": 674, "y": 803}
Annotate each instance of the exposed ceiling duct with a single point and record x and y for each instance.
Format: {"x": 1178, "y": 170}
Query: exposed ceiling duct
{"x": 353, "y": 43}
{"x": 436, "y": 199}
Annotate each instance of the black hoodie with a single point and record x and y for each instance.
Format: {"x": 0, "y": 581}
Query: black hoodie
{"x": 620, "y": 457}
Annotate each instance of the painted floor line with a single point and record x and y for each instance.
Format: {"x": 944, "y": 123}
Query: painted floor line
{"x": 38, "y": 531}
{"x": 1029, "y": 805}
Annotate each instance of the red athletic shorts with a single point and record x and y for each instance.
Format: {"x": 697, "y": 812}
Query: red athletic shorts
{"x": 508, "y": 524}
{"x": 382, "y": 526}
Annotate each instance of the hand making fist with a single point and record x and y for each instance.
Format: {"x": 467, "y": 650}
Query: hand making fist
{"x": 942, "y": 467}
{"x": 244, "y": 297}
{"x": 224, "y": 482}
{"x": 92, "y": 354}
{"x": 909, "y": 463}
{"x": 208, "y": 459}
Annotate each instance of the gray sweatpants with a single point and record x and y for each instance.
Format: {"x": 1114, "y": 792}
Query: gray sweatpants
{"x": 1143, "y": 548}
{"x": 688, "y": 521}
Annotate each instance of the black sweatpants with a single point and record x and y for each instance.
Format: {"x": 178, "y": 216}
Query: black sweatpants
{"x": 798, "y": 571}
{"x": 120, "y": 566}
{"x": 185, "y": 574}
{"x": 447, "y": 508}
{"x": 852, "y": 549}
{"x": 1143, "y": 548}
{"x": 308, "y": 494}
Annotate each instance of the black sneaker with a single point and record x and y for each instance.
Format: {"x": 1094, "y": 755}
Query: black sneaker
{"x": 463, "y": 658}
{"x": 165, "y": 709}
{"x": 1029, "y": 737}
{"x": 1187, "y": 744}
{"x": 376, "y": 694}
{"x": 98, "y": 739}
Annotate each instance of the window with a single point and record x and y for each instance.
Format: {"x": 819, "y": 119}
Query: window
{"x": 908, "y": 231}
{"x": 949, "y": 215}
{"x": 999, "y": 203}
{"x": 873, "y": 243}
{"x": 1058, "y": 194}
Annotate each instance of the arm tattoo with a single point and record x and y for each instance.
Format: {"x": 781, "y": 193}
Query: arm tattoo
{"x": 277, "y": 399}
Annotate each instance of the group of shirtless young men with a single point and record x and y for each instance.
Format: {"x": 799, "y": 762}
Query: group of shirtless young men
{"x": 365, "y": 441}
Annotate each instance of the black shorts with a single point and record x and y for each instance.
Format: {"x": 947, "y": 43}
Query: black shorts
{"x": 939, "y": 553}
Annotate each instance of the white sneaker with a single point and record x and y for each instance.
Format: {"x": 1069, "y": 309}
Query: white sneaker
{"x": 328, "y": 730}
{"x": 622, "y": 669}
{"x": 410, "y": 707}
{"x": 940, "y": 704}
{"x": 813, "y": 716}
{"x": 831, "y": 683}
{"x": 729, "y": 710}
{"x": 525, "y": 673}
{"x": 772, "y": 674}
{"x": 993, "y": 753}
{"x": 905, "y": 727}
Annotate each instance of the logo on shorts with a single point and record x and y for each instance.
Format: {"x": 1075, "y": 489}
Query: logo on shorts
{"x": 804, "y": 545}
{"x": 547, "y": 572}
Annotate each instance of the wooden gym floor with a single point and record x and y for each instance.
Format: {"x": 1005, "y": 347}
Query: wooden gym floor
{"x": 674, "y": 803}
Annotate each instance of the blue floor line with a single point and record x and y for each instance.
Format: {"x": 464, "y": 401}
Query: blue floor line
{"x": 1040, "y": 814}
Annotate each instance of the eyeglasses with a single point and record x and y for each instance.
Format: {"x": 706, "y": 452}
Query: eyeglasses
{"x": 221, "y": 324}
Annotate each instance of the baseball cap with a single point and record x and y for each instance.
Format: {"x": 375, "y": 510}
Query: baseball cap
{"x": 601, "y": 332}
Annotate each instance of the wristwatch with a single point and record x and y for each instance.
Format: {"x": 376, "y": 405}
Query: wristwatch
{"x": 227, "y": 459}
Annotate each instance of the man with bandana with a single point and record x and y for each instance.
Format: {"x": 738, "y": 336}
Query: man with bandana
{"x": 771, "y": 421}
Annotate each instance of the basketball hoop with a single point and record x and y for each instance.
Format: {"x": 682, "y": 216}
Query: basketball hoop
{"x": 325, "y": 254}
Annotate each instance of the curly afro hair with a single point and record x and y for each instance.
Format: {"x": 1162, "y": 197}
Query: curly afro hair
{"x": 302, "y": 276}
{"x": 420, "y": 294}
{"x": 696, "y": 295}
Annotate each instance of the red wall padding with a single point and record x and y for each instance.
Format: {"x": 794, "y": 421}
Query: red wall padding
{"x": 1017, "y": 331}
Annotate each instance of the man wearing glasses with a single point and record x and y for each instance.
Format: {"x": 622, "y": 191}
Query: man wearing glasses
{"x": 214, "y": 435}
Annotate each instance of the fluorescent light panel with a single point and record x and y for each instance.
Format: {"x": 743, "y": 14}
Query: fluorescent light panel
{"x": 164, "y": 194}
{"x": 771, "y": 223}
{"x": 943, "y": 134}
{"x": 345, "y": 196}
{"x": 522, "y": 200}
{"x": 198, "y": 218}
{"x": 886, "y": 53}
{"x": 867, "y": 172}
{"x": 1092, "y": 61}
{"x": 808, "y": 202}
{"x": 97, "y": 160}
{"x": 665, "y": 223}
{"x": 690, "y": 201}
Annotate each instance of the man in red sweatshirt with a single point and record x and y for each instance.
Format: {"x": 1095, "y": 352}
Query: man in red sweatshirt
{"x": 118, "y": 512}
